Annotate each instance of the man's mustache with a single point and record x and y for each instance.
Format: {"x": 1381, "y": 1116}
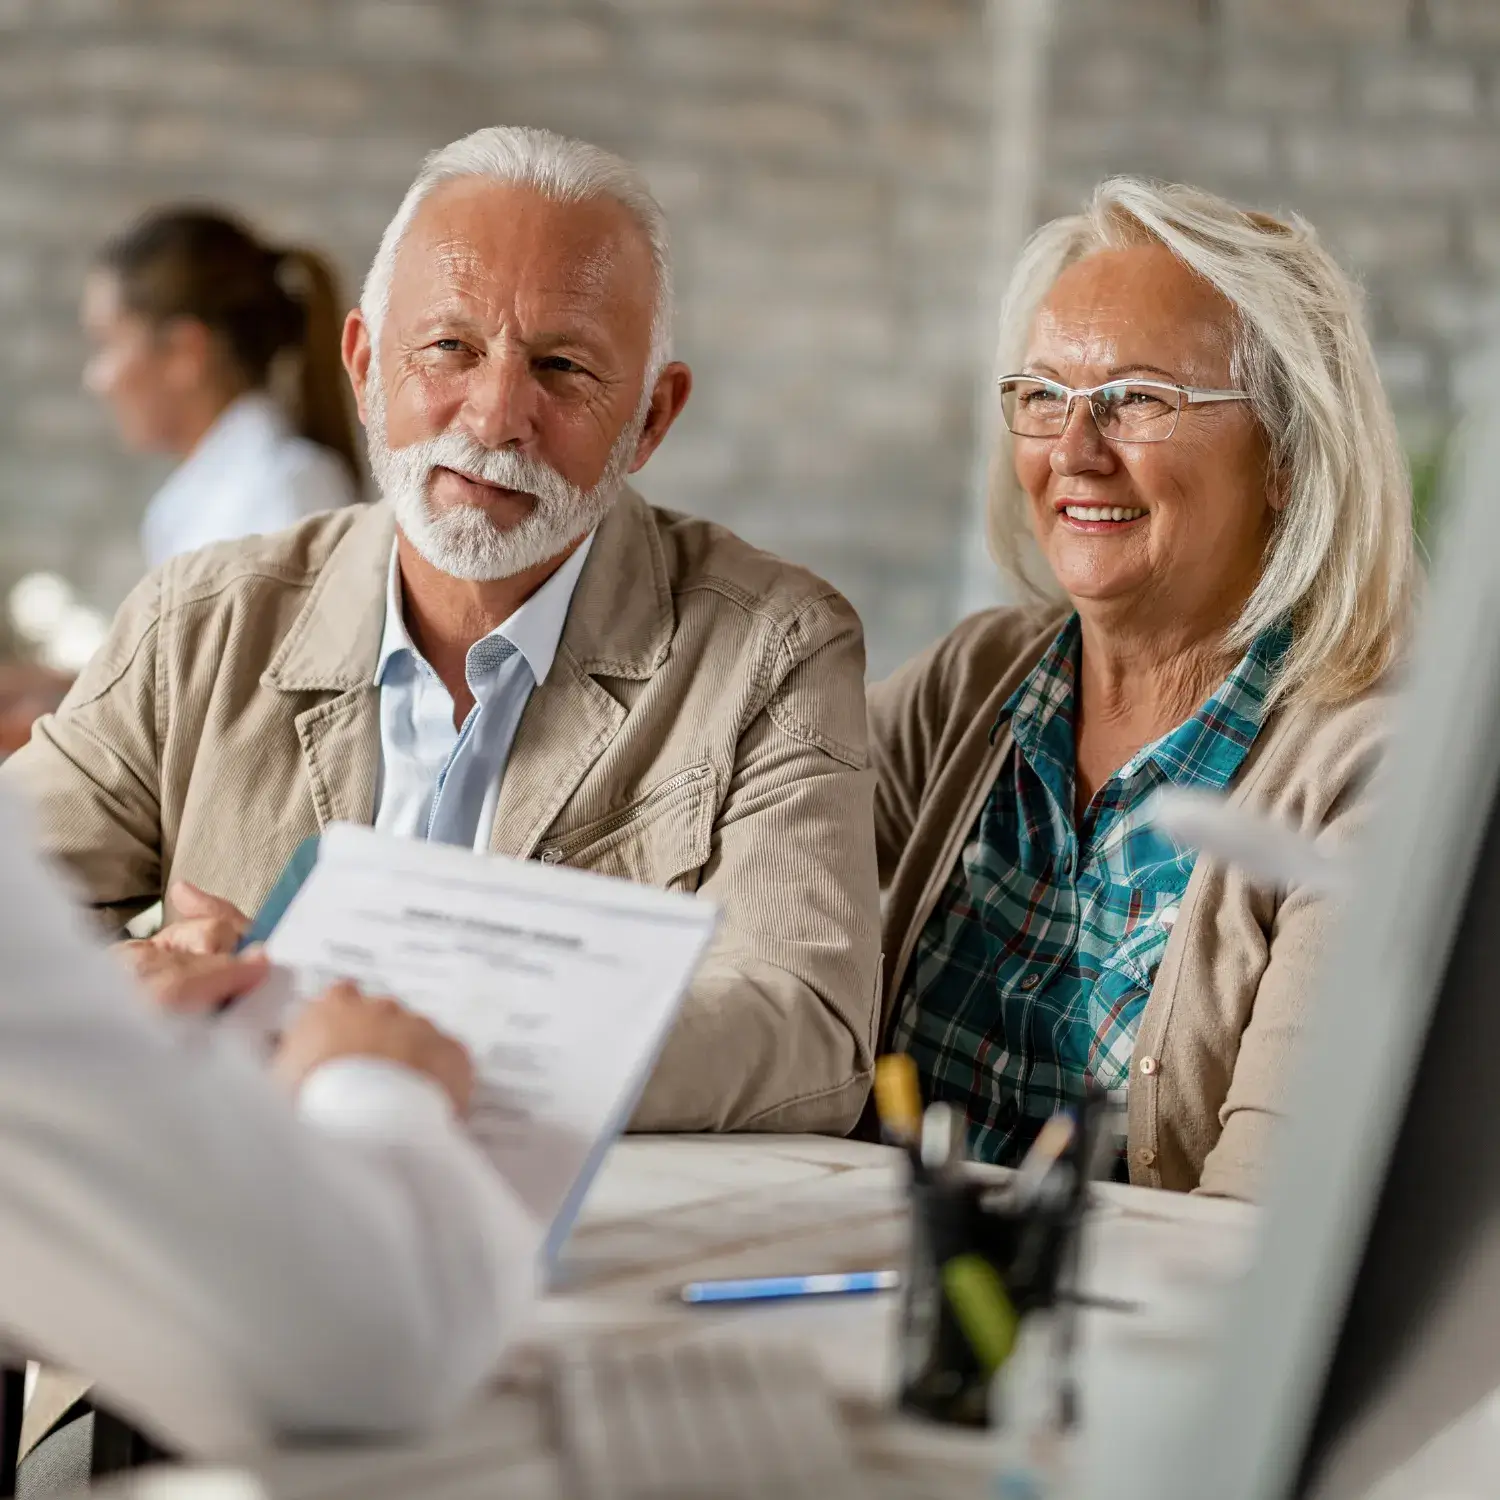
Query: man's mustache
{"x": 473, "y": 478}
{"x": 495, "y": 466}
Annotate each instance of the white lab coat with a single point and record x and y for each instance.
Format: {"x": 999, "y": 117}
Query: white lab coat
{"x": 250, "y": 473}
{"x": 227, "y": 1272}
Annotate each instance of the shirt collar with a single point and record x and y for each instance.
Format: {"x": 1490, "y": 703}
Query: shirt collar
{"x": 535, "y": 629}
{"x": 1205, "y": 750}
{"x": 1041, "y": 713}
{"x": 1046, "y": 692}
{"x": 1208, "y": 749}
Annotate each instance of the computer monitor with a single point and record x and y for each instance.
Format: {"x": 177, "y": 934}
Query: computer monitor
{"x": 1370, "y": 1319}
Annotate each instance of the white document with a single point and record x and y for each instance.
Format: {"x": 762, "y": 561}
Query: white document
{"x": 562, "y": 984}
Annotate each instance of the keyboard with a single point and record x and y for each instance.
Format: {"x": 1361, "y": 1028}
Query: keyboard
{"x": 701, "y": 1421}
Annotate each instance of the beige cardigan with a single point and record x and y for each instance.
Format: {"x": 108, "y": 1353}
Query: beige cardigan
{"x": 1221, "y": 1025}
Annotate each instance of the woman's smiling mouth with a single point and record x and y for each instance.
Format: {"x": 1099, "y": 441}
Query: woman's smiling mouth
{"x": 1100, "y": 517}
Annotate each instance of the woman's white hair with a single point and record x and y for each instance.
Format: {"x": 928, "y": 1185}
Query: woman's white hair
{"x": 1340, "y": 559}
{"x": 560, "y": 169}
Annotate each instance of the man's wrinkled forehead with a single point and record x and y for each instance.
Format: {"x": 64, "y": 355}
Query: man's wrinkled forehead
{"x": 498, "y": 248}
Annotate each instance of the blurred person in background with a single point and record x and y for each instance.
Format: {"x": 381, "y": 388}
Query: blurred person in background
{"x": 513, "y": 652}
{"x": 192, "y": 320}
{"x": 1197, "y": 441}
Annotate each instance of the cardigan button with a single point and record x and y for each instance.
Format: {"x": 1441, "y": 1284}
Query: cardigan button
{"x": 1146, "y": 1156}
{"x": 1148, "y": 1065}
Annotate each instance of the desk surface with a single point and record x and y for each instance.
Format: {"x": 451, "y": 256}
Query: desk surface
{"x": 667, "y": 1210}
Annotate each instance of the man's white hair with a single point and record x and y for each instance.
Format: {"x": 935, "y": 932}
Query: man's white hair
{"x": 1340, "y": 560}
{"x": 562, "y": 170}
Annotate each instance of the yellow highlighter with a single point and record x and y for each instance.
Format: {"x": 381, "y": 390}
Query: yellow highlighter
{"x": 983, "y": 1309}
{"x": 898, "y": 1099}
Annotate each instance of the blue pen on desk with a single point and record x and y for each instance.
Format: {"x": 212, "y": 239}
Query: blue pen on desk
{"x": 777, "y": 1288}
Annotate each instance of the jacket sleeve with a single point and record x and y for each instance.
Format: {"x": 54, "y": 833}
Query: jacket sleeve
{"x": 91, "y": 771}
{"x": 225, "y": 1271}
{"x": 777, "y": 1032}
{"x": 1271, "y": 1041}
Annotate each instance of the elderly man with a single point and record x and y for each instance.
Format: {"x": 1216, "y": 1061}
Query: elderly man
{"x": 513, "y": 651}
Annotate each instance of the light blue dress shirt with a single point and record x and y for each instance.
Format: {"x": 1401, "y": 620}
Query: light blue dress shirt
{"x": 438, "y": 782}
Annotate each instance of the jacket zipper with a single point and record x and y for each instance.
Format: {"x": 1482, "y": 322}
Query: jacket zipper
{"x": 554, "y": 854}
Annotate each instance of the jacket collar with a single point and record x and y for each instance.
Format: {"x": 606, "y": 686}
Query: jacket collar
{"x": 620, "y": 622}
{"x": 622, "y": 618}
{"x": 333, "y": 644}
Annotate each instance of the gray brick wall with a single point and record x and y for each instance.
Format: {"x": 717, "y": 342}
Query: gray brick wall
{"x": 822, "y": 162}
{"x": 825, "y": 164}
{"x": 1377, "y": 119}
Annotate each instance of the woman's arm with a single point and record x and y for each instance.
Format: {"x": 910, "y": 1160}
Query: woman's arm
{"x": 1289, "y": 984}
{"x": 902, "y": 712}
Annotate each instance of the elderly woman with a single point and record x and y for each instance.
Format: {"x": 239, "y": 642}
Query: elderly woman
{"x": 1197, "y": 442}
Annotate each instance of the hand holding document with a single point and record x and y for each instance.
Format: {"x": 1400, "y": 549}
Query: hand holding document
{"x": 562, "y": 985}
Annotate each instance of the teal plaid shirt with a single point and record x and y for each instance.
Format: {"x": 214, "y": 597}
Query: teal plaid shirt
{"x": 1029, "y": 979}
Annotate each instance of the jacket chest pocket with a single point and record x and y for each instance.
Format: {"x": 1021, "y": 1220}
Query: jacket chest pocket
{"x": 662, "y": 838}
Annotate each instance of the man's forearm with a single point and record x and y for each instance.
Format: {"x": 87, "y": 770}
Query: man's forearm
{"x": 755, "y": 1048}
{"x": 92, "y": 816}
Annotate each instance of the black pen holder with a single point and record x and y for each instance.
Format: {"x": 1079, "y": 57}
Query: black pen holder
{"x": 942, "y": 1377}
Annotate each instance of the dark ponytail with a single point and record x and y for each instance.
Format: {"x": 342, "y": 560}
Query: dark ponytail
{"x": 259, "y": 302}
{"x": 322, "y": 387}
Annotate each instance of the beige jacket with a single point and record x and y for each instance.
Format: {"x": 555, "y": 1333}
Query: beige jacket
{"x": 1221, "y": 1025}
{"x": 702, "y": 728}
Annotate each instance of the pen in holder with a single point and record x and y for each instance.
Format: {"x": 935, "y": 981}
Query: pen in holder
{"x": 984, "y": 1254}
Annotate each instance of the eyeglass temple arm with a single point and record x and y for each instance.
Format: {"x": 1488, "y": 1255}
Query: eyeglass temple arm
{"x": 1193, "y": 397}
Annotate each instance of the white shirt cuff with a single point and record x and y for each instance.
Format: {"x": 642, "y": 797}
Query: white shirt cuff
{"x": 373, "y": 1096}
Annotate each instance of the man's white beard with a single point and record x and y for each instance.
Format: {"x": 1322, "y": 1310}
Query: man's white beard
{"x": 461, "y": 540}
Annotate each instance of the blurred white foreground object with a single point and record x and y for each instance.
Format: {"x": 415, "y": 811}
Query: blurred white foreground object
{"x": 1262, "y": 849}
{"x": 228, "y": 1268}
{"x": 1370, "y": 1320}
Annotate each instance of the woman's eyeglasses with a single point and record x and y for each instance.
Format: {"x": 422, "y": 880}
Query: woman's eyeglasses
{"x": 1125, "y": 411}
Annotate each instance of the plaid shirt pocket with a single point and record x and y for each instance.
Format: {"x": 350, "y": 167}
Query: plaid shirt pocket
{"x": 1117, "y": 998}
